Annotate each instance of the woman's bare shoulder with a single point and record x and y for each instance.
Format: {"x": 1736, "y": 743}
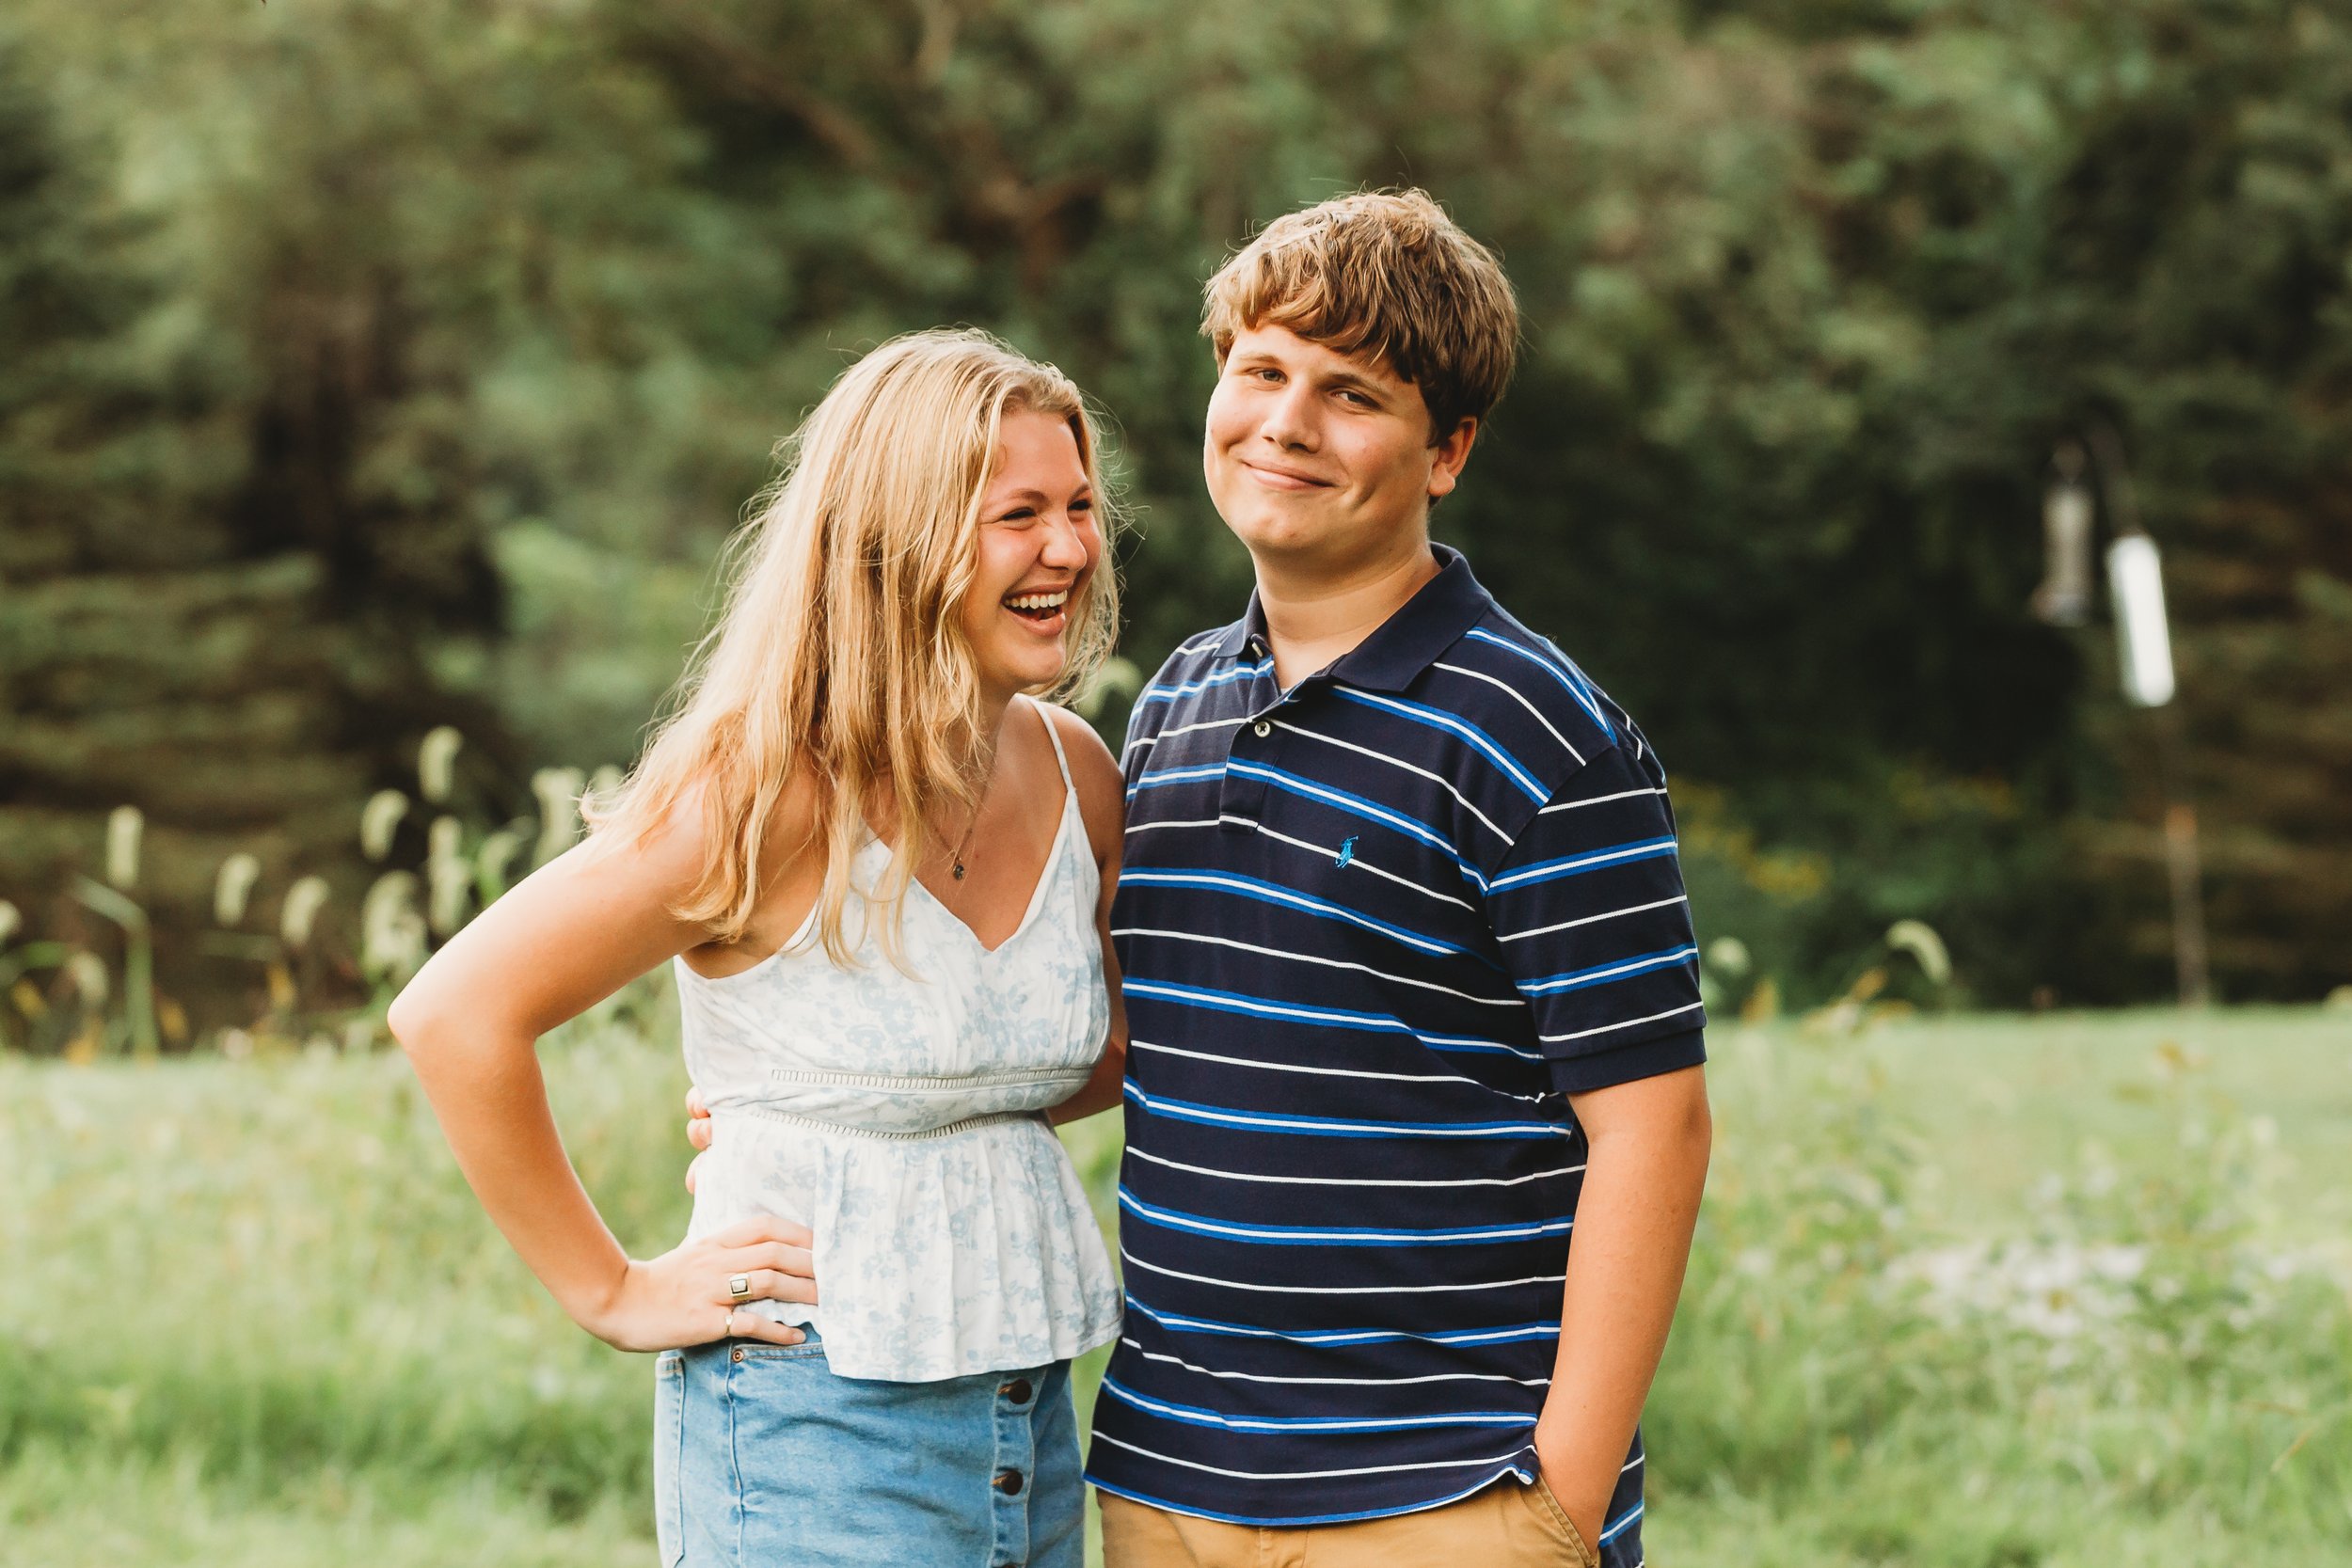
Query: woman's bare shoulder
{"x": 670, "y": 851}
{"x": 1095, "y": 775}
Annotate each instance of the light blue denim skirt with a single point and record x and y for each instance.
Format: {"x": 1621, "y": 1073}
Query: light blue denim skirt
{"x": 763, "y": 1457}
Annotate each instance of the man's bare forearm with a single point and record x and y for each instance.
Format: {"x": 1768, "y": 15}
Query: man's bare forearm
{"x": 1649, "y": 1147}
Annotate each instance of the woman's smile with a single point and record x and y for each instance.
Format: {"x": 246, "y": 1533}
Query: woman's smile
{"x": 1039, "y": 542}
{"x": 1041, "y": 610}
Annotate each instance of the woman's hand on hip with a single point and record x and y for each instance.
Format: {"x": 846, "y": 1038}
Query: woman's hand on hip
{"x": 688, "y": 1296}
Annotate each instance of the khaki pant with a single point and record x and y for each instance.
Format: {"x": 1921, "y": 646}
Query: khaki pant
{"x": 1506, "y": 1526}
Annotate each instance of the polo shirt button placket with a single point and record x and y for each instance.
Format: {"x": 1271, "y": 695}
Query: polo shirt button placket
{"x": 1241, "y": 799}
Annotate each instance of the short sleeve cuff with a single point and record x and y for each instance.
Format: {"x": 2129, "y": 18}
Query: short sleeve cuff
{"x": 1602, "y": 1070}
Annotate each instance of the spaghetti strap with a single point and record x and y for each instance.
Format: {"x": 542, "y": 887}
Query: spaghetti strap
{"x": 1053, "y": 733}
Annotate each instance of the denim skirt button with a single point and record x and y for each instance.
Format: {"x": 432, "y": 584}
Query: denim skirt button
{"x": 735, "y": 1355}
{"x": 1018, "y": 1390}
{"x": 1008, "y": 1483}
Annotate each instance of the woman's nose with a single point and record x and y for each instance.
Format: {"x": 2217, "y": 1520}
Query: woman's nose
{"x": 1065, "y": 543}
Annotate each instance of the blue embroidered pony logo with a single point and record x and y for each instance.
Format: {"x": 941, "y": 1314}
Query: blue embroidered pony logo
{"x": 1347, "y": 852}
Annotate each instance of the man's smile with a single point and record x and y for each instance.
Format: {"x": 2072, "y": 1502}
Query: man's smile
{"x": 1276, "y": 476}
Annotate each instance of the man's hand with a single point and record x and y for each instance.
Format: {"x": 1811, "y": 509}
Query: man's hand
{"x": 697, "y": 1132}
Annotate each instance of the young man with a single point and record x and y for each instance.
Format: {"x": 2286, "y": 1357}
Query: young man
{"x": 1410, "y": 983}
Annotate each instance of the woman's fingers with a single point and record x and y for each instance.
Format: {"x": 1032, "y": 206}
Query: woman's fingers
{"x": 763, "y": 1228}
{"x": 782, "y": 1256}
{"x": 698, "y": 1133}
{"x": 695, "y": 1109}
{"x": 692, "y": 1165}
{"x": 747, "y": 1327}
{"x": 769, "y": 1285}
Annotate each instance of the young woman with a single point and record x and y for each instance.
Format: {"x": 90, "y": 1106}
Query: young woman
{"x": 884, "y": 874}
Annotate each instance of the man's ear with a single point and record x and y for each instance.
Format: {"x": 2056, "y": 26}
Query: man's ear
{"x": 1447, "y": 456}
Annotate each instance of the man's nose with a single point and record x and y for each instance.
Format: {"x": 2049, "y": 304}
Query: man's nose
{"x": 1290, "y": 420}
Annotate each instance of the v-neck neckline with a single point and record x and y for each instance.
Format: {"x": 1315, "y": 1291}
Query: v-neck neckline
{"x": 1037, "y": 893}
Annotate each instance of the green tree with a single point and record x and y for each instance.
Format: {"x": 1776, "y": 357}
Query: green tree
{"x": 452, "y": 335}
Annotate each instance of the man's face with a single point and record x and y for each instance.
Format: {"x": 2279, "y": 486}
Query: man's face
{"x": 1319, "y": 459}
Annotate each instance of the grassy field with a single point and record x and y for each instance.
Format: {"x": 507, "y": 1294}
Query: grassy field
{"x": 1983, "y": 1294}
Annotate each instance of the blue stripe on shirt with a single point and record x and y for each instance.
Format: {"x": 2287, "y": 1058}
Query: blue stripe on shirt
{"x": 1247, "y": 887}
{"x": 1436, "y": 719}
{"x": 1192, "y": 1415}
{"x": 1231, "y": 1231}
{"x": 1338, "y": 1126}
{"x": 1577, "y": 866}
{"x": 1545, "y": 1330}
{"x": 1601, "y": 974}
{"x": 1336, "y": 1017}
{"x": 1570, "y": 678}
{"x": 1169, "y": 694}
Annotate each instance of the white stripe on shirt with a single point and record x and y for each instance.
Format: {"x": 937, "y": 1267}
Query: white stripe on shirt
{"x": 1520, "y": 698}
{"x": 1597, "y": 800}
{"x": 1341, "y": 1290}
{"x": 1589, "y": 919}
{"x": 1514, "y": 1000}
{"x": 1628, "y": 1024}
{"x": 1331, "y": 1071}
{"x": 1350, "y": 1382}
{"x": 1398, "y": 762}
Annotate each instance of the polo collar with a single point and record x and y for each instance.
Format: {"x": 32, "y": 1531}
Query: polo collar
{"x": 1402, "y": 647}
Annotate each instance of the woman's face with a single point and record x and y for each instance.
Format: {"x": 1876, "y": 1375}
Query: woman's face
{"x": 1038, "y": 546}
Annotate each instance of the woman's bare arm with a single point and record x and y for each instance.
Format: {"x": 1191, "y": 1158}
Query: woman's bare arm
{"x": 1102, "y": 801}
{"x": 564, "y": 938}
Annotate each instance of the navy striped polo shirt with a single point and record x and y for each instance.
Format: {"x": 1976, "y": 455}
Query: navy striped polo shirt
{"x": 1374, "y": 930}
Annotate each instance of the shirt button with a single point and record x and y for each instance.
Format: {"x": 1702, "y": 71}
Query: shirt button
{"x": 1008, "y": 1483}
{"x": 1017, "y": 1390}
{"x": 1262, "y": 729}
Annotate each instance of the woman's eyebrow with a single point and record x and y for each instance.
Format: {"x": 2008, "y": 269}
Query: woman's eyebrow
{"x": 1033, "y": 497}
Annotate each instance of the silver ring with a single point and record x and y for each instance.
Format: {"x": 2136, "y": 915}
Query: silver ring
{"x": 739, "y": 1288}
{"x": 726, "y": 1329}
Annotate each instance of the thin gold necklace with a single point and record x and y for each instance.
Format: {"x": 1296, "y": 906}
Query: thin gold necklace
{"x": 963, "y": 846}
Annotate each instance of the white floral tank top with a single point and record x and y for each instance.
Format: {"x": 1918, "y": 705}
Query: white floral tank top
{"x": 903, "y": 1120}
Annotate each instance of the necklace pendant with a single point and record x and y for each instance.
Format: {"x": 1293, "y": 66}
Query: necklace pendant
{"x": 958, "y": 871}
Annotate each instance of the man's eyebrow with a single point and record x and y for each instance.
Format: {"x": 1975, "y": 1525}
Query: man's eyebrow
{"x": 1348, "y": 376}
{"x": 1358, "y": 380}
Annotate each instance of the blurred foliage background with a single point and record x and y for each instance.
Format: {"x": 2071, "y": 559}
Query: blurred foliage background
{"x": 366, "y": 367}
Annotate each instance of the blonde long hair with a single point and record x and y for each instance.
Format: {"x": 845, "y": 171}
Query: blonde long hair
{"x": 840, "y": 653}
